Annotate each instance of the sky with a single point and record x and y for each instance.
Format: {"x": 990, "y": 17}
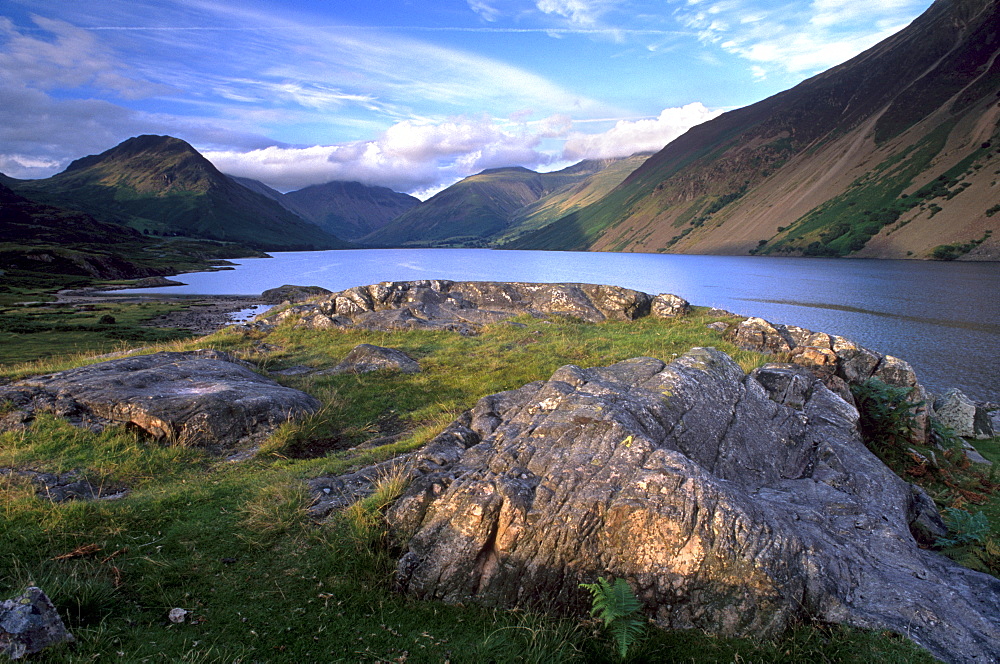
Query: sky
{"x": 407, "y": 94}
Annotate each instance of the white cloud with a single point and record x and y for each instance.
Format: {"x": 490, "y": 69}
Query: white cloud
{"x": 630, "y": 136}
{"x": 410, "y": 156}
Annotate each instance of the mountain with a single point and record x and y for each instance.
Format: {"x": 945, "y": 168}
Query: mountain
{"x": 892, "y": 154}
{"x": 495, "y": 202}
{"x": 602, "y": 176}
{"x": 349, "y": 210}
{"x": 162, "y": 186}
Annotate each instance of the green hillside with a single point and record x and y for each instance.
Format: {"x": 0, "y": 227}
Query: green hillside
{"x": 161, "y": 186}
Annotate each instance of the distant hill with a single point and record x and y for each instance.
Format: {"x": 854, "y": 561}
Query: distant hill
{"x": 494, "y": 203}
{"x": 349, "y": 210}
{"x": 892, "y": 154}
{"x": 42, "y": 246}
{"x": 162, "y": 186}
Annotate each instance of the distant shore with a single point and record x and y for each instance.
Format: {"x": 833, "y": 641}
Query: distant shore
{"x": 203, "y": 314}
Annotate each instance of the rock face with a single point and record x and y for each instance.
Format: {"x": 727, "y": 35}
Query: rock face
{"x": 29, "y": 624}
{"x": 837, "y": 361}
{"x": 464, "y": 306}
{"x": 963, "y": 416}
{"x": 202, "y": 398}
{"x": 730, "y": 503}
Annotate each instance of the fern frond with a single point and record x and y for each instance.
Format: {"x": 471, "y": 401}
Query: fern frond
{"x": 618, "y": 608}
{"x": 626, "y": 631}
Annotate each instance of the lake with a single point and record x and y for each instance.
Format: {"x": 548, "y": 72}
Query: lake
{"x": 943, "y": 318}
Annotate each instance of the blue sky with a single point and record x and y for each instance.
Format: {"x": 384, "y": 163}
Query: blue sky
{"x": 408, "y": 94}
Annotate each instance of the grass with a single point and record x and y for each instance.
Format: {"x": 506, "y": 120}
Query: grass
{"x": 29, "y": 333}
{"x": 233, "y": 545}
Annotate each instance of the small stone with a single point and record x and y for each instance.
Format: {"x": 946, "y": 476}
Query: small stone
{"x": 177, "y": 615}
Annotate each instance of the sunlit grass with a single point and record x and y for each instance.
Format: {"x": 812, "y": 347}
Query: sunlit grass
{"x": 232, "y": 543}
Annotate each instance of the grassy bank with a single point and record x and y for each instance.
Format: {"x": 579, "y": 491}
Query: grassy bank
{"x": 232, "y": 543}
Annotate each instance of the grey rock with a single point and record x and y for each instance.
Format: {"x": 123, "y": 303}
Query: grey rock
{"x": 963, "y": 416}
{"x": 61, "y": 487}
{"x": 202, "y": 398}
{"x": 289, "y": 293}
{"x": 29, "y": 624}
{"x": 462, "y": 306}
{"x": 838, "y": 362}
{"x": 730, "y": 503}
{"x": 366, "y": 358}
{"x": 718, "y": 326}
{"x": 666, "y": 305}
{"x": 973, "y": 455}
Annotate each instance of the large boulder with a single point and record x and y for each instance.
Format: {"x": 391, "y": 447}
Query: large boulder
{"x": 730, "y": 503}
{"x": 203, "y": 398}
{"x": 29, "y": 624}
{"x": 464, "y": 306}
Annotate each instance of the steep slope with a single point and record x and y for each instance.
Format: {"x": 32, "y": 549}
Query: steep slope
{"x": 162, "y": 186}
{"x": 602, "y": 176}
{"x": 349, "y": 210}
{"x": 479, "y": 208}
{"x": 259, "y": 187}
{"x": 890, "y": 154}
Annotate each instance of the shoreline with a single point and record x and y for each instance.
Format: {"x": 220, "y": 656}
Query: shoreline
{"x": 204, "y": 314}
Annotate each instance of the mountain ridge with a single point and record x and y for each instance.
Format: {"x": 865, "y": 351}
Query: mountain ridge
{"x": 494, "y": 203}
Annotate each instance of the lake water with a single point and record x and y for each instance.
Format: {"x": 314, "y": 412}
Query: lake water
{"x": 943, "y": 318}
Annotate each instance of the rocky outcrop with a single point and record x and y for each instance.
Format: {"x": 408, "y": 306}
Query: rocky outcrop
{"x": 838, "y": 362}
{"x": 203, "y": 398}
{"x": 963, "y": 415}
{"x": 734, "y": 504}
{"x": 465, "y": 306}
{"x": 365, "y": 358}
{"x": 289, "y": 293}
{"x": 29, "y": 624}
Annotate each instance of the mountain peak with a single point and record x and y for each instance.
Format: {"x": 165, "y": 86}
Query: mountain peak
{"x": 147, "y": 164}
{"x": 132, "y": 147}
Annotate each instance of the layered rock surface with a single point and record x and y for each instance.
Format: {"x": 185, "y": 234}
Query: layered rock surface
{"x": 837, "y": 361}
{"x": 734, "y": 504}
{"x": 202, "y": 398}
